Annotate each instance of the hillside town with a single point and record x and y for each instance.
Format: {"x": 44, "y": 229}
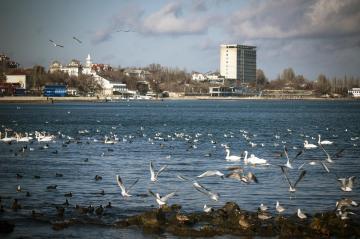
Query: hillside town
{"x": 238, "y": 77}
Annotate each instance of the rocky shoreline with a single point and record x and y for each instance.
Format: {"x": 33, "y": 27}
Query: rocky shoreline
{"x": 231, "y": 220}
{"x": 227, "y": 220}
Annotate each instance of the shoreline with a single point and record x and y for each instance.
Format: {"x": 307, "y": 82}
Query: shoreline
{"x": 50, "y": 100}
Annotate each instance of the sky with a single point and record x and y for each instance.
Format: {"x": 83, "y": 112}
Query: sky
{"x": 311, "y": 36}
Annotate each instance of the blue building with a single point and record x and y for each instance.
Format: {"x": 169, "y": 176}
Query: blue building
{"x": 55, "y": 91}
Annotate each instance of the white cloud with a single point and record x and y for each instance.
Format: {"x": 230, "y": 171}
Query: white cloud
{"x": 171, "y": 20}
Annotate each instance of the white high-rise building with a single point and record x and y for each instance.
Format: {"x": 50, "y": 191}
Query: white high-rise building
{"x": 238, "y": 62}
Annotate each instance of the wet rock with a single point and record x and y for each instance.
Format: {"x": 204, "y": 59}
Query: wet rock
{"x": 6, "y": 227}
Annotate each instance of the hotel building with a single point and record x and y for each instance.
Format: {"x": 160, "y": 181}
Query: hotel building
{"x": 238, "y": 62}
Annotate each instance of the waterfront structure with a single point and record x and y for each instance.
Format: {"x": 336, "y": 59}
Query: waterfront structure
{"x": 238, "y": 63}
{"x": 355, "y": 92}
{"x": 55, "y": 91}
{"x": 221, "y": 91}
{"x": 17, "y": 79}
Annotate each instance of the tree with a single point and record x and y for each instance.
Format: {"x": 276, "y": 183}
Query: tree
{"x": 288, "y": 75}
{"x": 261, "y": 79}
{"x": 322, "y": 86}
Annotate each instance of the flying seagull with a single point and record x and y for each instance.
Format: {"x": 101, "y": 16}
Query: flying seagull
{"x": 211, "y": 173}
{"x": 288, "y": 162}
{"x": 55, "y": 44}
{"x": 292, "y": 187}
{"x": 76, "y": 39}
{"x": 161, "y": 200}
{"x": 154, "y": 176}
{"x": 213, "y": 195}
{"x": 124, "y": 191}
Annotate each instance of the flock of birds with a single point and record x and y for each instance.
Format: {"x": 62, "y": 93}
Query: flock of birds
{"x": 237, "y": 171}
{"x": 55, "y": 44}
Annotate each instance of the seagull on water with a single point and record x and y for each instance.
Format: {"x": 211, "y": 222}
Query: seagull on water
{"x": 211, "y": 173}
{"x": 161, "y": 200}
{"x": 124, "y": 191}
{"x": 292, "y": 187}
{"x": 55, "y": 44}
{"x": 154, "y": 176}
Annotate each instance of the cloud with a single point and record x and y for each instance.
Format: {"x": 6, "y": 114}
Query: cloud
{"x": 171, "y": 20}
{"x": 127, "y": 18}
{"x": 297, "y": 19}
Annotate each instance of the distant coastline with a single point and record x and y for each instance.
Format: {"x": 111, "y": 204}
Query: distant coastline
{"x": 43, "y": 99}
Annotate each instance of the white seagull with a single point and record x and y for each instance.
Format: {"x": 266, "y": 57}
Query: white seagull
{"x": 161, "y": 200}
{"x": 124, "y": 191}
{"x": 300, "y": 214}
{"x": 154, "y": 176}
{"x": 208, "y": 209}
{"x": 279, "y": 208}
{"x": 213, "y": 195}
{"x": 211, "y": 173}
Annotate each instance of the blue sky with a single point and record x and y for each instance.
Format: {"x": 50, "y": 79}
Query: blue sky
{"x": 313, "y": 37}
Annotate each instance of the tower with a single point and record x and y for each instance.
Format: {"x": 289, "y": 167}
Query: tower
{"x": 88, "y": 61}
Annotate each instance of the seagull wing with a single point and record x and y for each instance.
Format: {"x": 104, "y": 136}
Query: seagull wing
{"x": 350, "y": 182}
{"x": 302, "y": 174}
{"x": 161, "y": 169}
{"x": 152, "y": 172}
{"x": 132, "y": 185}
{"x": 285, "y": 174}
{"x": 182, "y": 178}
{"x": 59, "y": 45}
{"x": 120, "y": 183}
{"x": 152, "y": 194}
{"x": 328, "y": 158}
{"x": 166, "y": 197}
{"x": 325, "y": 167}
{"x": 298, "y": 154}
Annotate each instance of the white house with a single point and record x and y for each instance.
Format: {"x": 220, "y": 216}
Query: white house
{"x": 355, "y": 92}
{"x": 197, "y": 76}
{"x": 17, "y": 79}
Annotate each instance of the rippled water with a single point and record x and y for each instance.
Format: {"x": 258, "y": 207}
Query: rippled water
{"x": 149, "y": 129}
